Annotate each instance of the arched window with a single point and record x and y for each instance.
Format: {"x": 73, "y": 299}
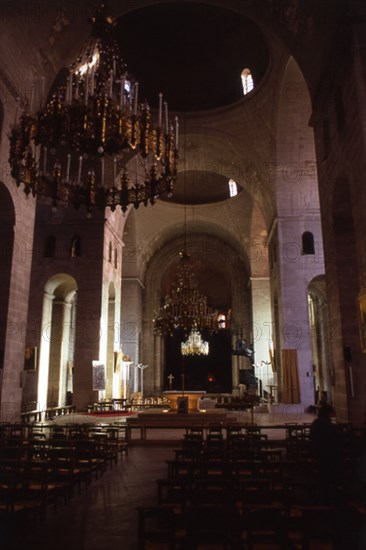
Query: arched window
{"x": 247, "y": 81}
{"x": 233, "y": 188}
{"x": 308, "y": 243}
{"x": 49, "y": 247}
{"x": 75, "y": 247}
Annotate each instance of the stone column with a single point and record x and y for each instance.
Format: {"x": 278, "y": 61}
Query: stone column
{"x": 262, "y": 329}
{"x": 44, "y": 352}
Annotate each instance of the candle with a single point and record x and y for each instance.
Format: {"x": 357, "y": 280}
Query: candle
{"x": 68, "y": 168}
{"x": 42, "y": 89}
{"x": 176, "y": 132}
{"x": 166, "y": 117}
{"x": 67, "y": 95}
{"x": 122, "y": 91}
{"x": 136, "y": 97}
{"x": 87, "y": 88}
{"x": 111, "y": 83}
{"x": 32, "y": 98}
{"x": 160, "y": 108}
{"x": 102, "y": 177}
{"x": 16, "y": 112}
{"x": 92, "y": 82}
{"x": 80, "y": 166}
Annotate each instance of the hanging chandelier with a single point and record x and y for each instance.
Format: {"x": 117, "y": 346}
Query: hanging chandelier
{"x": 78, "y": 150}
{"x": 185, "y": 309}
{"x": 194, "y": 345}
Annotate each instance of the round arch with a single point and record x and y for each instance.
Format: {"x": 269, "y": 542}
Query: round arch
{"x": 56, "y": 358}
{"x": 206, "y": 249}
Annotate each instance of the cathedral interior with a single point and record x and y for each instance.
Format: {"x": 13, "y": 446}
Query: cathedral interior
{"x": 213, "y": 142}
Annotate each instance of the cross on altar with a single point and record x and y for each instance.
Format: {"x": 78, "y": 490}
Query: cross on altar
{"x": 170, "y": 378}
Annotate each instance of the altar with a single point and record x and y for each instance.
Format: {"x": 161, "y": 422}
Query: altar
{"x": 192, "y": 396}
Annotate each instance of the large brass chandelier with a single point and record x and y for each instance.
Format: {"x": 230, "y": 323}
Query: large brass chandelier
{"x": 185, "y": 309}
{"x": 78, "y": 150}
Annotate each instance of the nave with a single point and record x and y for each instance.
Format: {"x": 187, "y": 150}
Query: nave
{"x": 263, "y": 492}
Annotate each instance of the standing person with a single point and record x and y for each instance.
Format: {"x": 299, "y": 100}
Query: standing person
{"x": 326, "y": 445}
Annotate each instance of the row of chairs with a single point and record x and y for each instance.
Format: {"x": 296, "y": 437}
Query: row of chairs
{"x": 237, "y": 503}
{"x": 38, "y": 471}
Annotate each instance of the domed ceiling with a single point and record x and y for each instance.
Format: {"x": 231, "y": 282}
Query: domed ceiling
{"x": 195, "y": 187}
{"x": 193, "y": 53}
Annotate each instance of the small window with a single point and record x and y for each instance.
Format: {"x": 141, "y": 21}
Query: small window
{"x": 115, "y": 258}
{"x": 308, "y": 243}
{"x": 247, "y": 81}
{"x": 233, "y": 188}
{"x": 110, "y": 253}
{"x": 75, "y": 247}
{"x": 49, "y": 247}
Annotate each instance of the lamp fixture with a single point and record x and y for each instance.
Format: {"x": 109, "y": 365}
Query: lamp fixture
{"x": 194, "y": 345}
{"x": 185, "y": 308}
{"x": 76, "y": 151}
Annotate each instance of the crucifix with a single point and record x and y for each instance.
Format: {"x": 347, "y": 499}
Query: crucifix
{"x": 170, "y": 378}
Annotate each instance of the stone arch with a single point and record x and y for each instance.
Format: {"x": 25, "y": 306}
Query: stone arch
{"x": 298, "y": 209}
{"x": 56, "y": 355}
{"x": 320, "y": 339}
{"x": 204, "y": 249}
